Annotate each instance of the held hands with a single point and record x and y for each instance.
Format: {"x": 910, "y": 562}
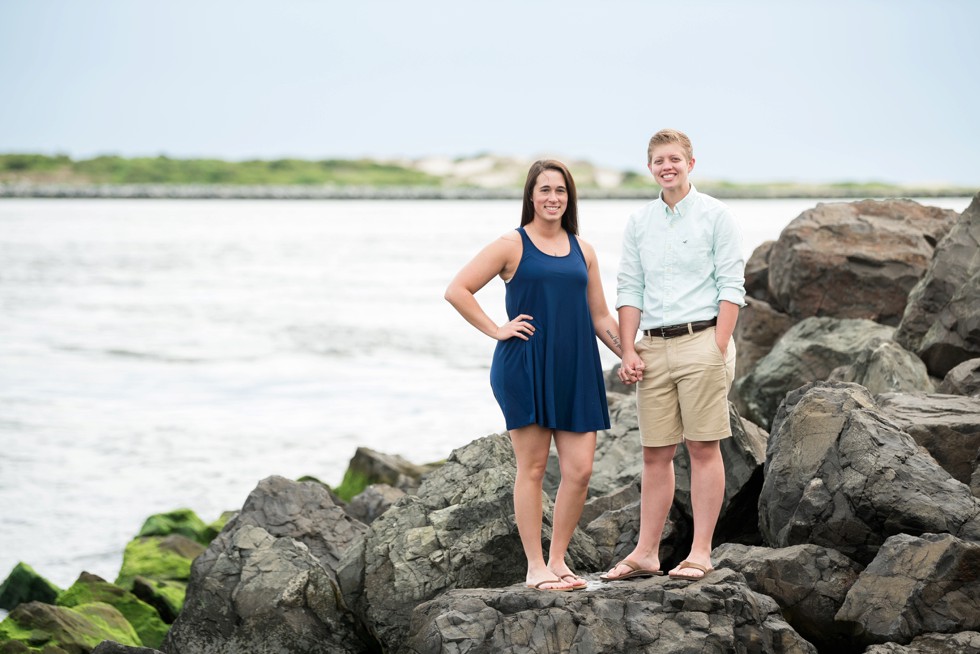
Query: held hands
{"x": 631, "y": 370}
{"x": 518, "y": 327}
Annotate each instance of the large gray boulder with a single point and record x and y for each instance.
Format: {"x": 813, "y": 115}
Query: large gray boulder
{"x": 657, "y": 615}
{"x": 946, "y": 425}
{"x": 916, "y": 585}
{"x": 885, "y": 367}
{"x": 758, "y": 328}
{"x": 458, "y": 532}
{"x": 941, "y": 323}
{"x": 808, "y": 352}
{"x": 757, "y": 272}
{"x": 963, "y": 379}
{"x": 267, "y": 583}
{"x": 876, "y": 250}
{"x": 808, "y": 582}
{"x": 840, "y": 475}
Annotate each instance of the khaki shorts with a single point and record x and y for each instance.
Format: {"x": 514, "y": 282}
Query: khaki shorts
{"x": 684, "y": 391}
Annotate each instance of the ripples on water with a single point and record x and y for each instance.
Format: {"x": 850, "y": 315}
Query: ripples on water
{"x": 163, "y": 354}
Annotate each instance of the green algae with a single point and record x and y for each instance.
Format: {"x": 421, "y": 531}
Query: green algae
{"x": 158, "y": 557}
{"x": 24, "y": 584}
{"x": 179, "y": 521}
{"x": 144, "y": 618}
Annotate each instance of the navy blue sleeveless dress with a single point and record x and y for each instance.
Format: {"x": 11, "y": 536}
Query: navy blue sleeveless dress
{"x": 553, "y": 379}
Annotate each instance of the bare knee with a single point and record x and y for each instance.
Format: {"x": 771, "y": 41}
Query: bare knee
{"x": 577, "y": 473}
{"x": 704, "y": 451}
{"x": 533, "y": 472}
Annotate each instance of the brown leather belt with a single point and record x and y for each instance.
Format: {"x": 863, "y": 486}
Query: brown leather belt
{"x": 681, "y": 330}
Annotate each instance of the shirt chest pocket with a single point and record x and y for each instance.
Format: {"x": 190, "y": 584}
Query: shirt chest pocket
{"x": 695, "y": 255}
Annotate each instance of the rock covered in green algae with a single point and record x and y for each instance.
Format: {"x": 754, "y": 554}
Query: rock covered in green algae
{"x": 25, "y": 585}
{"x": 167, "y": 597}
{"x": 186, "y": 523}
{"x": 48, "y": 629}
{"x": 179, "y": 521}
{"x": 158, "y": 557}
{"x": 143, "y": 617}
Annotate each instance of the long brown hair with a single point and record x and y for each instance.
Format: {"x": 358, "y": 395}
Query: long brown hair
{"x": 569, "y": 219}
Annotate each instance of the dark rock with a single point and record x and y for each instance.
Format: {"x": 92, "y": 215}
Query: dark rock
{"x": 758, "y": 328}
{"x": 143, "y": 617}
{"x": 840, "y": 475}
{"x": 618, "y": 455}
{"x": 370, "y": 467}
{"x": 757, "y": 272}
{"x": 23, "y": 584}
{"x": 916, "y": 585}
{"x": 167, "y": 597}
{"x": 374, "y": 500}
{"x": 614, "y": 501}
{"x": 876, "y": 250}
{"x": 808, "y": 352}
{"x": 44, "y": 627}
{"x": 807, "y": 581}
{"x": 963, "y": 379}
{"x": 267, "y": 582}
{"x": 946, "y": 425}
{"x": 110, "y": 647}
{"x": 885, "y": 367}
{"x": 964, "y": 642}
{"x": 657, "y": 615}
{"x": 941, "y": 323}
{"x": 457, "y": 532}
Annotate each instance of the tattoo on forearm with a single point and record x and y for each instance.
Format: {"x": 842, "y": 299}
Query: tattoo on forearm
{"x": 615, "y": 340}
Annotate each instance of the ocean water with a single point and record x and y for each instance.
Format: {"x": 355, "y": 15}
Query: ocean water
{"x": 166, "y": 354}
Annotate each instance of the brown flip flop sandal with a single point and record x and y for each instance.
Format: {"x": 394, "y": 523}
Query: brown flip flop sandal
{"x": 574, "y": 577}
{"x": 538, "y": 586}
{"x": 695, "y": 566}
{"x": 635, "y": 571}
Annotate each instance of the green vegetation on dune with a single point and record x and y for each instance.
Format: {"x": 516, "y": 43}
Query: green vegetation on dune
{"x": 35, "y": 168}
{"x": 481, "y": 172}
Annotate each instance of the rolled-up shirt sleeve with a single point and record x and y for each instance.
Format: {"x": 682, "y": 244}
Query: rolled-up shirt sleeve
{"x": 729, "y": 260}
{"x": 630, "y": 281}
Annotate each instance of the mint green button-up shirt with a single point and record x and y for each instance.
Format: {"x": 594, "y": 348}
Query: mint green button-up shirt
{"x": 678, "y": 265}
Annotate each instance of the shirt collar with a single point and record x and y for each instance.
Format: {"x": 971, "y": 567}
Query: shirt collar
{"x": 683, "y": 206}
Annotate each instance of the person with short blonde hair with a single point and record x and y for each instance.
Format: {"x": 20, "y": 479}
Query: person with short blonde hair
{"x": 681, "y": 282}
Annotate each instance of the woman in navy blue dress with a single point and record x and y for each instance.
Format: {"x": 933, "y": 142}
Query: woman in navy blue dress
{"x": 546, "y": 374}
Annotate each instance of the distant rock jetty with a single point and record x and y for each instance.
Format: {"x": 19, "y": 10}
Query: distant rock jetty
{"x": 852, "y": 526}
{"x": 305, "y": 192}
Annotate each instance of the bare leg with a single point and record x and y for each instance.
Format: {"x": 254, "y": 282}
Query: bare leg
{"x": 707, "y": 495}
{"x": 576, "y": 452}
{"x": 656, "y": 497}
{"x": 531, "y": 446}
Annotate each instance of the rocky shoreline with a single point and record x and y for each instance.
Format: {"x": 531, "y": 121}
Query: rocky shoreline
{"x": 851, "y": 518}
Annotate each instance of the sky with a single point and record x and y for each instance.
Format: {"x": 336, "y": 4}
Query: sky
{"x": 857, "y": 90}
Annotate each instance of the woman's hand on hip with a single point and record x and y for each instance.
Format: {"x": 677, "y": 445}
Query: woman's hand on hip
{"x": 519, "y": 327}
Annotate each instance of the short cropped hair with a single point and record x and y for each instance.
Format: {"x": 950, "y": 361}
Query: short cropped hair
{"x": 665, "y": 136}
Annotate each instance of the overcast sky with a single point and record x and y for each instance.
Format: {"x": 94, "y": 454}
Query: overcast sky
{"x": 810, "y": 91}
